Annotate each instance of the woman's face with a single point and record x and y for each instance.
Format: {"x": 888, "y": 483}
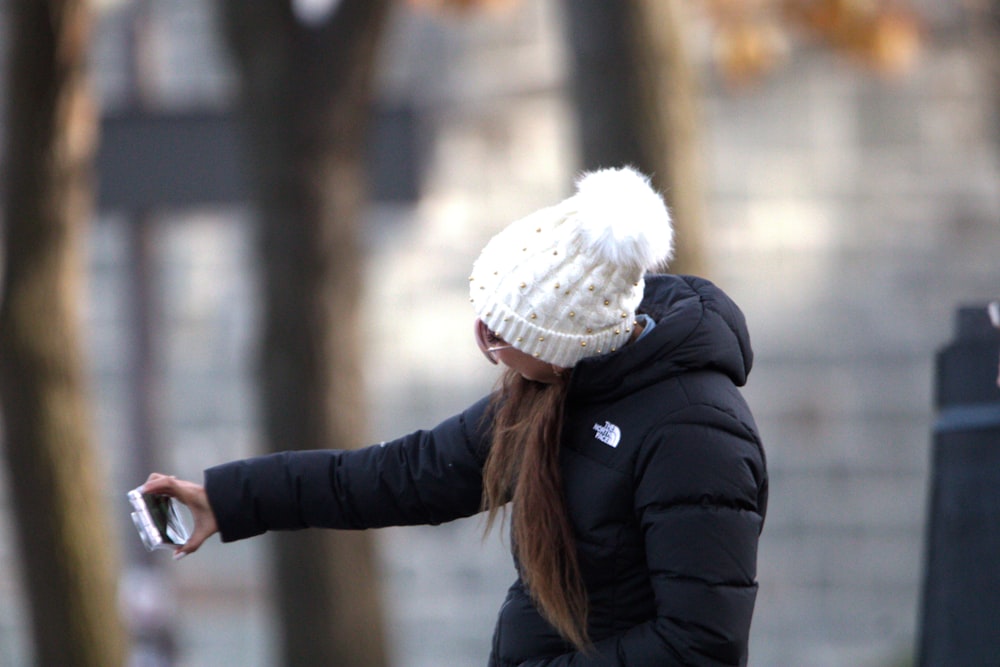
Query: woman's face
{"x": 497, "y": 350}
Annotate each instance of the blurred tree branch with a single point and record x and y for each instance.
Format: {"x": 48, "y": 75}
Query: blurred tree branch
{"x": 753, "y": 37}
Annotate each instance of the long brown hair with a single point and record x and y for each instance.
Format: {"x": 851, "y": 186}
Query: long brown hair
{"x": 523, "y": 468}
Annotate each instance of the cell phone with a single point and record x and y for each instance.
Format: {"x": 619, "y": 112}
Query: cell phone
{"x": 158, "y": 520}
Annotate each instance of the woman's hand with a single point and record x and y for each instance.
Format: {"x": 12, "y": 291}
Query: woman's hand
{"x": 194, "y": 497}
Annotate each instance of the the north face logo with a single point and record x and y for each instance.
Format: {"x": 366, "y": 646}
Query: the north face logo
{"x": 609, "y": 434}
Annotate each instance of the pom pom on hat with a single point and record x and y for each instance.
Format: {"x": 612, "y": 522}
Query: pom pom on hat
{"x": 623, "y": 220}
{"x": 563, "y": 283}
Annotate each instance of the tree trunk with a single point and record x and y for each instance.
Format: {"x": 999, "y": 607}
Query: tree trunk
{"x": 635, "y": 96}
{"x": 64, "y": 541}
{"x": 307, "y": 99}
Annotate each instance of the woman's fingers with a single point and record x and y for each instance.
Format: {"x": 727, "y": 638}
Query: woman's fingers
{"x": 168, "y": 485}
{"x": 162, "y": 484}
{"x": 204, "y": 527}
{"x": 203, "y": 530}
{"x": 195, "y": 499}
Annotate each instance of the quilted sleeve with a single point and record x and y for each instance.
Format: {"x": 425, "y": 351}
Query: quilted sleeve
{"x": 426, "y": 477}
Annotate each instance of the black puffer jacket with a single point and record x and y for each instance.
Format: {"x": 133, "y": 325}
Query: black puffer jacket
{"x": 664, "y": 476}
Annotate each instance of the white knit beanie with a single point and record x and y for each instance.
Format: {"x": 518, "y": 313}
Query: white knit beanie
{"x": 564, "y": 282}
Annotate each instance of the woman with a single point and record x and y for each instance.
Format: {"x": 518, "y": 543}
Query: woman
{"x": 618, "y": 439}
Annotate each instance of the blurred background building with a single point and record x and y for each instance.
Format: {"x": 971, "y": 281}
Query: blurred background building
{"x": 849, "y": 214}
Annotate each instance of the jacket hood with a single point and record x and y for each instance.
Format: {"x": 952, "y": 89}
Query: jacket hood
{"x": 698, "y": 327}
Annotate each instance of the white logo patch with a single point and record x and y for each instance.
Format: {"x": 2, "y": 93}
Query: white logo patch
{"x": 609, "y": 434}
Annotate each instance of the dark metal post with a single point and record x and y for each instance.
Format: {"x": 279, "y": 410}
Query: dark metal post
{"x": 960, "y": 614}
{"x": 147, "y": 590}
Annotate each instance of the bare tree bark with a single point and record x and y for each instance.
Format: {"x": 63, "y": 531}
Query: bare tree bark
{"x": 306, "y": 94}
{"x": 65, "y": 546}
{"x": 636, "y": 96}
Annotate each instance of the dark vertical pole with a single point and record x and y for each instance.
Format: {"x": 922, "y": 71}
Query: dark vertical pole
{"x": 147, "y": 584}
{"x": 635, "y": 95}
{"x": 153, "y": 638}
{"x": 960, "y": 622}
{"x": 604, "y": 69}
